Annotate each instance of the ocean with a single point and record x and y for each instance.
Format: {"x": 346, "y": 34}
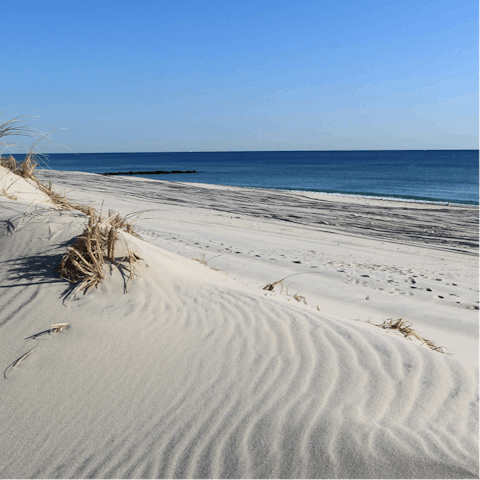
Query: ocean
{"x": 423, "y": 176}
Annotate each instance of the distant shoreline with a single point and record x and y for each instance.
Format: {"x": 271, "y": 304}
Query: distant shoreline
{"x": 156, "y": 172}
{"x": 413, "y": 176}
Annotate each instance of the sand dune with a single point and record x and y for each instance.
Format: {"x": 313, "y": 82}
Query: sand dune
{"x": 196, "y": 373}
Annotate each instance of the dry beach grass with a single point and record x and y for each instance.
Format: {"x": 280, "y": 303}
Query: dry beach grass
{"x": 408, "y": 332}
{"x": 85, "y": 260}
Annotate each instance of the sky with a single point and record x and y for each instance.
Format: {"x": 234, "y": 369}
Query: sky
{"x": 184, "y": 75}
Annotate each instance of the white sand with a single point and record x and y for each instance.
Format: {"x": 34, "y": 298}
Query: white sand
{"x": 202, "y": 373}
{"x": 15, "y": 187}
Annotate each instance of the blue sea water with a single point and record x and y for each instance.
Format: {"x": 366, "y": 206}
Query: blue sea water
{"x": 431, "y": 175}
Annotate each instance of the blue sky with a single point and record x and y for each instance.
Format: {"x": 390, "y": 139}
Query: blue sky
{"x": 117, "y": 76}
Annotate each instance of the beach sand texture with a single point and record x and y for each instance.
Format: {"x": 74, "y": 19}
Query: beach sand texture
{"x": 198, "y": 372}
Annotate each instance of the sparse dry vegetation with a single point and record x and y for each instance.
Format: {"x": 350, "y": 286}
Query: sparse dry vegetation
{"x": 204, "y": 261}
{"x": 23, "y": 169}
{"x": 300, "y": 298}
{"x": 85, "y": 259}
{"x": 17, "y": 362}
{"x": 405, "y": 328}
{"x": 5, "y": 194}
{"x": 271, "y": 287}
{"x": 55, "y": 328}
{"x": 14, "y": 127}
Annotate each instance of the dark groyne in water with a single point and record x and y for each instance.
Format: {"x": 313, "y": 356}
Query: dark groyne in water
{"x": 156, "y": 172}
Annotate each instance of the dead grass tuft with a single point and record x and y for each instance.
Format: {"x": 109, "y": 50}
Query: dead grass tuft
{"x": 405, "y": 328}
{"x": 24, "y": 168}
{"x": 300, "y": 298}
{"x": 84, "y": 261}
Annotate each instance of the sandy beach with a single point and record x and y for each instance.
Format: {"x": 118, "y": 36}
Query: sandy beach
{"x": 199, "y": 371}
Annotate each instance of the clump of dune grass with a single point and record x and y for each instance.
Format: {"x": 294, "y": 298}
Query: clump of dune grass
{"x": 16, "y": 127}
{"x": 405, "y": 328}
{"x": 24, "y": 168}
{"x": 85, "y": 259}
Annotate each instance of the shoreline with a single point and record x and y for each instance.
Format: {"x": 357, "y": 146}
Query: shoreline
{"x": 463, "y": 203}
{"x": 392, "y": 198}
{"x": 445, "y": 226}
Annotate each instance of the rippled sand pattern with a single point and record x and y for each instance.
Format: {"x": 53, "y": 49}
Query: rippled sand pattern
{"x": 185, "y": 377}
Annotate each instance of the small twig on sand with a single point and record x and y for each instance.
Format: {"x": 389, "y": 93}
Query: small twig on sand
{"x": 56, "y": 328}
{"x": 16, "y": 362}
{"x": 271, "y": 286}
